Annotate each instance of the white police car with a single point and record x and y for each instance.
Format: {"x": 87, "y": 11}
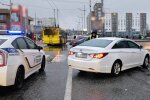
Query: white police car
{"x": 19, "y": 58}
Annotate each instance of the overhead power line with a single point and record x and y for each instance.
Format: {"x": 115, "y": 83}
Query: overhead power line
{"x": 49, "y": 3}
{"x": 53, "y": 3}
{"x": 56, "y": 12}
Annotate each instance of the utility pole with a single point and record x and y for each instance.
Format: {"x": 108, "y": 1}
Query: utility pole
{"x": 54, "y": 18}
{"x": 10, "y": 13}
{"x": 58, "y": 17}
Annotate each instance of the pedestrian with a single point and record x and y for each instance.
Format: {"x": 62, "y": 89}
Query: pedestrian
{"x": 93, "y": 35}
{"x": 74, "y": 37}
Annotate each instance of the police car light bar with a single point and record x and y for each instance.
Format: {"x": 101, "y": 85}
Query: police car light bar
{"x": 15, "y": 32}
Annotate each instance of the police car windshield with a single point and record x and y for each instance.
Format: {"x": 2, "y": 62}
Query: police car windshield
{"x": 2, "y": 41}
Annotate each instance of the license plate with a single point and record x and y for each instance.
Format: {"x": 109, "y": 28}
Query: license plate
{"x": 81, "y": 55}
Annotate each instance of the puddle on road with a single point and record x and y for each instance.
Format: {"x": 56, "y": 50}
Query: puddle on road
{"x": 56, "y": 53}
{"x": 55, "y": 48}
{"x": 59, "y": 58}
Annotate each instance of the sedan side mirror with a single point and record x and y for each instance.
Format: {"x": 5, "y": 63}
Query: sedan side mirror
{"x": 141, "y": 47}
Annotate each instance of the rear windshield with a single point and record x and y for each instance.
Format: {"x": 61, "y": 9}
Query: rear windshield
{"x": 48, "y": 32}
{"x": 2, "y": 41}
{"x": 97, "y": 43}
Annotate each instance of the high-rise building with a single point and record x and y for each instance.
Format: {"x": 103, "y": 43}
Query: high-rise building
{"x": 143, "y": 21}
{"x": 129, "y": 22}
{"x": 98, "y": 9}
{"x": 114, "y": 23}
{"x": 136, "y": 22}
{"x": 122, "y": 23}
{"x": 125, "y": 24}
{"x": 108, "y": 23}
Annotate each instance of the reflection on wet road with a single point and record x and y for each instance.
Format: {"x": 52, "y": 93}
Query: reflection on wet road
{"x": 56, "y": 53}
{"x": 55, "y": 49}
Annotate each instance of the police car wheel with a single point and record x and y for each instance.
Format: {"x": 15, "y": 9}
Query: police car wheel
{"x": 19, "y": 78}
{"x": 42, "y": 65}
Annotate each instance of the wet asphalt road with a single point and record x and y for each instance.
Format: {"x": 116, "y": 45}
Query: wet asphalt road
{"x": 133, "y": 84}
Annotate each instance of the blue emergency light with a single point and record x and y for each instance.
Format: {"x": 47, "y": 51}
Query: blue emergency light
{"x": 15, "y": 32}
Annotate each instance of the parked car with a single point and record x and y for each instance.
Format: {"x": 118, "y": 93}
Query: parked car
{"x": 78, "y": 40}
{"x": 108, "y": 55}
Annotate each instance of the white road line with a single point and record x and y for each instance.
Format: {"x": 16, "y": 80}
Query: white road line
{"x": 68, "y": 90}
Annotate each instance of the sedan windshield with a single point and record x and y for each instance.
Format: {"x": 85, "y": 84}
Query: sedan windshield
{"x": 97, "y": 43}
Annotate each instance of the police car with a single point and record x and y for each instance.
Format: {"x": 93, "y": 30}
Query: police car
{"x": 19, "y": 58}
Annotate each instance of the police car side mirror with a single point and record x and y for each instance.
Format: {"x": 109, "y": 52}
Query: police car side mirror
{"x": 40, "y": 48}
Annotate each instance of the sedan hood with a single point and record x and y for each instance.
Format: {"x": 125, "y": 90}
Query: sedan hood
{"x": 87, "y": 49}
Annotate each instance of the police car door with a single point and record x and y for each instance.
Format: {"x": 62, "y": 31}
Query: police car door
{"x": 26, "y": 53}
{"x": 37, "y": 55}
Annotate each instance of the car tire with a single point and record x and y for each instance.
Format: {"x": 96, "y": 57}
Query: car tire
{"x": 146, "y": 62}
{"x": 116, "y": 68}
{"x": 19, "y": 80}
{"x": 42, "y": 65}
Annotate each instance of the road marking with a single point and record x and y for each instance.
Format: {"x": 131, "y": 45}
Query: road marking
{"x": 68, "y": 90}
{"x": 59, "y": 58}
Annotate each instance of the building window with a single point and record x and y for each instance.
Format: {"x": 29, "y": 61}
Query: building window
{"x": 2, "y": 17}
{"x": 99, "y": 8}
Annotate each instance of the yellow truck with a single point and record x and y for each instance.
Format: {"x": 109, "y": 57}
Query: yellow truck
{"x": 54, "y": 36}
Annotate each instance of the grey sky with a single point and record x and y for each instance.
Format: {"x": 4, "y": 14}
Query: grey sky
{"x": 69, "y": 12}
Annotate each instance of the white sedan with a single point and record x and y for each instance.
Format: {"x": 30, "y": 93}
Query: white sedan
{"x": 108, "y": 55}
{"x": 19, "y": 58}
